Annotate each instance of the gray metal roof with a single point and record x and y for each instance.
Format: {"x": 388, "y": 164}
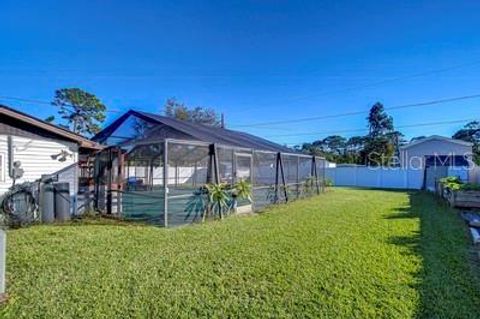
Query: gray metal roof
{"x": 197, "y": 132}
{"x": 437, "y": 138}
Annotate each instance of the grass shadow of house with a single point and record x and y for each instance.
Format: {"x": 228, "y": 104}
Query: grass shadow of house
{"x": 448, "y": 281}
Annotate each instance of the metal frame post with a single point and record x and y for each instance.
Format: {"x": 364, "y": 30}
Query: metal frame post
{"x": 165, "y": 182}
{"x": 109, "y": 186}
{"x": 216, "y": 169}
{"x": 150, "y": 173}
{"x": 283, "y": 176}
{"x": 234, "y": 167}
{"x": 315, "y": 173}
{"x": 324, "y": 174}
{"x": 119, "y": 182}
{"x": 277, "y": 172}
{"x": 253, "y": 171}
{"x": 211, "y": 164}
{"x": 194, "y": 180}
{"x": 298, "y": 177}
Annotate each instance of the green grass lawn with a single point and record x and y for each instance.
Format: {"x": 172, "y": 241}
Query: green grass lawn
{"x": 347, "y": 253}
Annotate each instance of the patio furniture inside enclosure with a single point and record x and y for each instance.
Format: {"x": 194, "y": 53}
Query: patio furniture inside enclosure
{"x": 133, "y": 181}
{"x": 155, "y": 169}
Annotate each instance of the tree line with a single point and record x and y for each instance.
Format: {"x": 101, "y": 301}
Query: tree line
{"x": 381, "y": 145}
{"x": 83, "y": 113}
{"x": 378, "y": 147}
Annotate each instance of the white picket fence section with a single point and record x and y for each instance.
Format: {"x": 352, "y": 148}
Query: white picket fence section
{"x": 361, "y": 176}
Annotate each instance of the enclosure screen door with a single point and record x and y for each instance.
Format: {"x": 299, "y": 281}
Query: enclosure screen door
{"x": 243, "y": 167}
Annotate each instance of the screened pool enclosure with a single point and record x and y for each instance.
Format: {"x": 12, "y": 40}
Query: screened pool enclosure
{"x": 156, "y": 168}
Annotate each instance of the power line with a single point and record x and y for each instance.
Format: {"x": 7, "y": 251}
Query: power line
{"x": 19, "y": 99}
{"x": 339, "y": 115}
{"x": 406, "y": 77}
{"x": 366, "y": 129}
{"x": 374, "y": 84}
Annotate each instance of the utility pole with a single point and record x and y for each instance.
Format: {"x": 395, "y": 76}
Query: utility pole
{"x": 222, "y": 125}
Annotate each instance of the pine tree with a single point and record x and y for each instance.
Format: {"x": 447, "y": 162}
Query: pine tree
{"x": 82, "y": 111}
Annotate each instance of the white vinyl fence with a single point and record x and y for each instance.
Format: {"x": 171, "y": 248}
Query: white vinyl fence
{"x": 376, "y": 177}
{"x": 475, "y": 175}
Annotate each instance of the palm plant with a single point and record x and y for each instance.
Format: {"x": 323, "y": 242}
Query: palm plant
{"x": 242, "y": 189}
{"x": 197, "y": 204}
{"x": 328, "y": 182}
{"x": 218, "y": 198}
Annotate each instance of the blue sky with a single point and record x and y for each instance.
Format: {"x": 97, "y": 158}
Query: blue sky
{"x": 256, "y": 61}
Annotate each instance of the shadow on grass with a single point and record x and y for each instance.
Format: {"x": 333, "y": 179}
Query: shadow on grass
{"x": 411, "y": 242}
{"x": 448, "y": 282}
{"x": 406, "y": 213}
{"x": 102, "y": 221}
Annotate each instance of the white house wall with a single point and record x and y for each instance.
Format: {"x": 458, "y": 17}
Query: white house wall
{"x": 35, "y": 156}
{"x": 415, "y": 154}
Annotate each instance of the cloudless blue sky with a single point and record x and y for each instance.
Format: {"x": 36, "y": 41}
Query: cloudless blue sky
{"x": 255, "y": 61}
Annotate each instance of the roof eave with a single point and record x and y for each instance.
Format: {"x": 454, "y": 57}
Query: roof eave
{"x": 436, "y": 137}
{"x": 80, "y": 140}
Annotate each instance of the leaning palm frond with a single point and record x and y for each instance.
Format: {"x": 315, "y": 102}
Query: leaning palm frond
{"x": 243, "y": 189}
{"x": 218, "y": 197}
{"x": 197, "y": 204}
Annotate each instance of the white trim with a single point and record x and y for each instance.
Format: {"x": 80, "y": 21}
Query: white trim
{"x": 437, "y": 138}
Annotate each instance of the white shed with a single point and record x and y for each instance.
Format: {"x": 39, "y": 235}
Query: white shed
{"x": 39, "y": 147}
{"x": 436, "y": 151}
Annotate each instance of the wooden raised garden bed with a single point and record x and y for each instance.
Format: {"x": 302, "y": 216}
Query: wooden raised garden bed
{"x": 458, "y": 193}
{"x": 465, "y": 199}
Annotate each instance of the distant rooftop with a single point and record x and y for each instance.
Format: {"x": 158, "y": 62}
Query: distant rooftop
{"x": 437, "y": 138}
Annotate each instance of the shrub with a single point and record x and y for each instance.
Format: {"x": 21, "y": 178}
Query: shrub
{"x": 242, "y": 189}
{"x": 218, "y": 199}
{"x": 328, "y": 182}
{"x": 454, "y": 183}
